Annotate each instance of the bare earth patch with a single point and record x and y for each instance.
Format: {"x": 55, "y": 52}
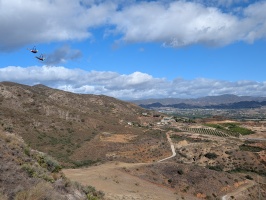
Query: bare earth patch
{"x": 117, "y": 184}
{"x": 120, "y": 138}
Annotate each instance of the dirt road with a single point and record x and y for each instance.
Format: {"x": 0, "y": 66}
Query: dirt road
{"x": 238, "y": 191}
{"x": 172, "y": 148}
{"x": 117, "y": 184}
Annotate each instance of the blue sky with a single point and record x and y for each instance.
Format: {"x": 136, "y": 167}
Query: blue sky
{"x": 136, "y": 49}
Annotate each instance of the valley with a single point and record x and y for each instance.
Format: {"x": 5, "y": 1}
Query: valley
{"x": 202, "y": 166}
{"x": 128, "y": 152}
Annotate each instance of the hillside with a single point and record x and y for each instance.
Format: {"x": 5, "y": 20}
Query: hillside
{"x": 29, "y": 174}
{"x": 74, "y": 128}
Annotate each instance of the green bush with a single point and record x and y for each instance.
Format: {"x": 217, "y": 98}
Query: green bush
{"x": 211, "y": 155}
{"x": 29, "y": 169}
{"x": 241, "y": 130}
{"x": 245, "y": 147}
{"x": 37, "y": 172}
{"x": 83, "y": 163}
{"x": 48, "y": 162}
{"x": 92, "y": 193}
{"x": 27, "y": 151}
{"x": 216, "y": 168}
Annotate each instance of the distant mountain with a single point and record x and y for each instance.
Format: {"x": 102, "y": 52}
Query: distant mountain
{"x": 237, "y": 105}
{"x": 223, "y": 101}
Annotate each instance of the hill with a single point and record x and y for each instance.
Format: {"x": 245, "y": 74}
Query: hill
{"x": 76, "y": 129}
{"x": 29, "y": 174}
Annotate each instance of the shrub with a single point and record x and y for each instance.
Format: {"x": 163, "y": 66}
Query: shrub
{"x": 245, "y": 147}
{"x": 211, "y": 155}
{"x": 48, "y": 162}
{"x": 180, "y": 172}
{"x": 249, "y": 177}
{"x": 92, "y": 193}
{"x": 9, "y": 129}
{"x": 37, "y": 172}
{"x": 228, "y": 152}
{"x": 29, "y": 169}
{"x": 41, "y": 191}
{"x": 89, "y": 189}
{"x": 216, "y": 168}
{"x": 27, "y": 151}
{"x": 84, "y": 163}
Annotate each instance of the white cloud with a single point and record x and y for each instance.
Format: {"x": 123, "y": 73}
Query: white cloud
{"x": 127, "y": 86}
{"x": 182, "y": 23}
{"x": 177, "y": 24}
{"x": 223, "y": 3}
{"x": 172, "y": 23}
{"x": 256, "y": 20}
{"x": 40, "y": 21}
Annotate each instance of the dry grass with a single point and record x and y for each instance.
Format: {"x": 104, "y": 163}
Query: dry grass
{"x": 117, "y": 138}
{"x": 26, "y": 174}
{"x": 41, "y": 191}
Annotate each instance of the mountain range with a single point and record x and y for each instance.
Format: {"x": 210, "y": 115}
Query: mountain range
{"x": 227, "y": 101}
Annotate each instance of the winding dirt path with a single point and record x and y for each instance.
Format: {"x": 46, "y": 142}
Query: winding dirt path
{"x": 172, "y": 148}
{"x": 239, "y": 190}
{"x": 117, "y": 184}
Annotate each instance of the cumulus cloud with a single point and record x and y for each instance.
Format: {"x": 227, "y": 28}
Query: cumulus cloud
{"x": 182, "y": 23}
{"x": 176, "y": 24}
{"x": 127, "y": 86}
{"x": 40, "y": 21}
{"x": 173, "y": 23}
{"x": 222, "y": 3}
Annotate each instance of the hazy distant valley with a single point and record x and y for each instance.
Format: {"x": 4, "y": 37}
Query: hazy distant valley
{"x": 124, "y": 151}
{"x": 231, "y": 106}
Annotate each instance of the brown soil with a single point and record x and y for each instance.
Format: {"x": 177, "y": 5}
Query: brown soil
{"x": 119, "y": 138}
{"x": 115, "y": 180}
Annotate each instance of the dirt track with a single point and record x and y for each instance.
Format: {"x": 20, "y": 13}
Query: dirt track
{"x": 117, "y": 184}
{"x": 238, "y": 191}
{"x": 172, "y": 148}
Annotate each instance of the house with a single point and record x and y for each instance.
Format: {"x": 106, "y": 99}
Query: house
{"x": 167, "y": 120}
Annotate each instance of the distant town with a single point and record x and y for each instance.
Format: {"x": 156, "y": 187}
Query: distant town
{"x": 236, "y": 114}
